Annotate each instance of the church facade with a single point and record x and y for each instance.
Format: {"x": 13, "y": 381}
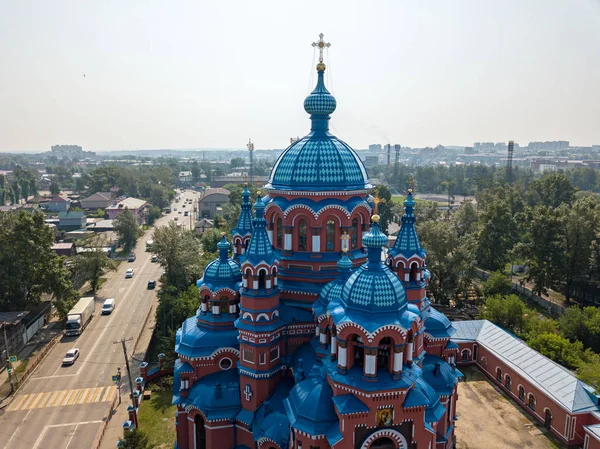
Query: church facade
{"x": 308, "y": 336}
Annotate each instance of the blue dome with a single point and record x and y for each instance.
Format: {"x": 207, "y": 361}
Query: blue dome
{"x": 312, "y": 399}
{"x": 374, "y": 288}
{"x": 319, "y": 161}
{"x": 220, "y": 272}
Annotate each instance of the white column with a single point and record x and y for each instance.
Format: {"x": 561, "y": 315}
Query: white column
{"x": 342, "y": 357}
{"x": 370, "y": 361}
{"x": 333, "y": 346}
{"x": 287, "y": 244}
{"x": 255, "y": 285}
{"x": 204, "y": 307}
{"x": 245, "y": 282}
{"x": 242, "y": 250}
{"x": 268, "y": 283}
{"x": 406, "y": 277}
{"x": 316, "y": 243}
{"x": 409, "y": 352}
{"x": 231, "y": 308}
{"x": 275, "y": 280}
{"x": 323, "y": 338}
{"x": 215, "y": 309}
{"x": 317, "y": 330}
{"x": 397, "y": 361}
{"x": 270, "y": 235}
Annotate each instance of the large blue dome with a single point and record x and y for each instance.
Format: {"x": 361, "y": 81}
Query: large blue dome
{"x": 320, "y": 161}
{"x": 221, "y": 272}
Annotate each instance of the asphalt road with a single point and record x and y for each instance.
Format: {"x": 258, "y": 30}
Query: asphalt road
{"x": 62, "y": 407}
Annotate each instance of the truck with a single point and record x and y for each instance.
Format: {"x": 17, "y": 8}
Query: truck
{"x": 79, "y": 316}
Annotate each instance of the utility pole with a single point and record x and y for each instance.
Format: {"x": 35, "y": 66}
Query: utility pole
{"x": 8, "y": 364}
{"x": 127, "y": 365}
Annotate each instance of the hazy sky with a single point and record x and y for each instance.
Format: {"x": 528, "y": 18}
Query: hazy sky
{"x": 206, "y": 74}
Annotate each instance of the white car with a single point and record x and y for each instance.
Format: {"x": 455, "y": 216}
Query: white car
{"x": 71, "y": 356}
{"x": 129, "y": 273}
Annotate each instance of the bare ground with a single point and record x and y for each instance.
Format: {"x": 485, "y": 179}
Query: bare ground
{"x": 488, "y": 419}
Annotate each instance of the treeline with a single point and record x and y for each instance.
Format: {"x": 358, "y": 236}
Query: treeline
{"x": 24, "y": 183}
{"x": 547, "y": 226}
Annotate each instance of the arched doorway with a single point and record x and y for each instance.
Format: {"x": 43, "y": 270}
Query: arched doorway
{"x": 383, "y": 443}
{"x": 200, "y": 434}
{"x": 548, "y": 419}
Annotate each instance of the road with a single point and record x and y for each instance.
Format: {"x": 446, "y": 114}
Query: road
{"x": 63, "y": 407}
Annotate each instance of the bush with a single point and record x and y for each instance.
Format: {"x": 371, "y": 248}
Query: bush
{"x": 496, "y": 284}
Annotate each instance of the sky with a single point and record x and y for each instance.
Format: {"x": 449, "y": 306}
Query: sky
{"x": 114, "y": 75}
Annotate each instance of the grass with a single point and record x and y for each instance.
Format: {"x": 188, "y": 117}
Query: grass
{"x": 157, "y": 417}
{"x": 400, "y": 199}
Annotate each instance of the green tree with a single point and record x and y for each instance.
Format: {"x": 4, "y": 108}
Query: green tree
{"x": 385, "y": 208}
{"x": 178, "y": 251}
{"x": 92, "y": 263}
{"x": 551, "y": 190}
{"x": 496, "y": 284}
{"x": 466, "y": 219}
{"x": 210, "y": 239}
{"x": 237, "y": 162}
{"x": 558, "y": 348}
{"x": 195, "y": 172}
{"x": 127, "y": 229}
{"x": 589, "y": 370}
{"x": 496, "y": 238}
{"x": 134, "y": 439}
{"x": 507, "y": 312}
{"x": 572, "y": 324}
{"x": 54, "y": 187}
{"x": 450, "y": 259}
{"x": 154, "y": 213}
{"x": 28, "y": 266}
{"x": 2, "y": 190}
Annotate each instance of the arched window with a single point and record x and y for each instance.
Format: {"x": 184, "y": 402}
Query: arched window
{"x": 261, "y": 278}
{"x": 330, "y": 236}
{"x": 224, "y": 303}
{"x": 383, "y": 353}
{"x": 465, "y": 355}
{"x": 507, "y": 382}
{"x": 247, "y": 244}
{"x": 200, "y": 432}
{"x": 413, "y": 272}
{"x": 302, "y": 235}
{"x": 356, "y": 351}
{"x": 531, "y": 401}
{"x": 548, "y": 419}
{"x": 522, "y": 393}
{"x": 354, "y": 234}
{"x": 279, "y": 243}
{"x": 499, "y": 374}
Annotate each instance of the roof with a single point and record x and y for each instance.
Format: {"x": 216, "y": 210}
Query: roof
{"x": 210, "y": 192}
{"x": 260, "y": 249}
{"x": 593, "y": 430}
{"x": 56, "y": 246}
{"x": 408, "y": 242}
{"x": 319, "y": 161}
{"x": 552, "y": 379}
{"x": 59, "y": 199}
{"x": 70, "y": 214}
{"x": 129, "y": 203}
{"x": 244, "y": 224}
{"x": 12, "y": 317}
{"x": 99, "y": 196}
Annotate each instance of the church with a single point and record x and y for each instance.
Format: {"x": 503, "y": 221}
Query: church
{"x": 311, "y": 333}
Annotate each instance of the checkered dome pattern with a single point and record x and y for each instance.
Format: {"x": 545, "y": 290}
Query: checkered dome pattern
{"x": 320, "y": 104}
{"x": 222, "y": 272}
{"x": 374, "y": 290}
{"x": 319, "y": 162}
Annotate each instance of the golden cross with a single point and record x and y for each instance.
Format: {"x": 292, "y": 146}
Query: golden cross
{"x": 322, "y": 46}
{"x": 411, "y": 182}
{"x": 377, "y": 200}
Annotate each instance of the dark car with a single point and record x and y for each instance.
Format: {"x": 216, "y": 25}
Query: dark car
{"x": 151, "y": 284}
{"x": 131, "y": 258}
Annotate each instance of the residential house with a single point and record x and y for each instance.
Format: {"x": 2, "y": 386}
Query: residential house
{"x": 100, "y": 200}
{"x": 136, "y": 206}
{"x": 211, "y": 200}
{"x": 58, "y": 203}
{"x": 71, "y": 221}
{"x": 64, "y": 249}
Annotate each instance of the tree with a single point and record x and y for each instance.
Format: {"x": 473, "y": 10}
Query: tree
{"x": 558, "y": 348}
{"x": 195, "y": 172}
{"x": 134, "y": 439}
{"x": 2, "y": 190}
{"x": 178, "y": 251}
{"x": 466, "y": 219}
{"x": 551, "y": 190}
{"x": 91, "y": 264}
{"x": 450, "y": 259}
{"x": 496, "y": 284}
{"x": 28, "y": 266}
{"x": 589, "y": 370}
{"x": 54, "y": 187}
{"x": 385, "y": 209}
{"x": 210, "y": 239}
{"x": 572, "y": 324}
{"x": 154, "y": 213}
{"x": 506, "y": 312}
{"x": 237, "y": 162}
{"x": 126, "y": 227}
{"x": 496, "y": 237}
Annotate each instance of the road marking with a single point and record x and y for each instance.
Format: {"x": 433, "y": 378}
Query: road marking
{"x": 76, "y": 424}
{"x": 63, "y": 397}
{"x": 72, "y": 435}
{"x": 16, "y": 430}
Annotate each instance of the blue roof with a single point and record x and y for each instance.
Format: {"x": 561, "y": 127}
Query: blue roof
{"x": 554, "y": 380}
{"x": 310, "y": 406}
{"x": 244, "y": 224}
{"x": 222, "y": 272}
{"x": 439, "y": 374}
{"x": 217, "y": 395}
{"x": 192, "y": 340}
{"x": 260, "y": 249}
{"x": 270, "y": 419}
{"x": 407, "y": 243}
{"x": 319, "y": 161}
{"x": 438, "y": 325}
{"x": 348, "y": 403}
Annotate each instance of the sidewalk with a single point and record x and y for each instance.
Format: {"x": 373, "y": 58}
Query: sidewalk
{"x": 113, "y": 430}
{"x": 38, "y": 342}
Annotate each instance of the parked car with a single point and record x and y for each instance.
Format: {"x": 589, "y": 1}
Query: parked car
{"x": 154, "y": 258}
{"x": 129, "y": 273}
{"x": 71, "y": 356}
{"x": 151, "y": 284}
{"x": 108, "y": 306}
{"x": 186, "y": 213}
{"x": 131, "y": 257}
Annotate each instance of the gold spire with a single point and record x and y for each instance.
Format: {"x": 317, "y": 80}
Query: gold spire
{"x": 377, "y": 200}
{"x": 322, "y": 45}
{"x": 223, "y": 234}
{"x": 375, "y": 218}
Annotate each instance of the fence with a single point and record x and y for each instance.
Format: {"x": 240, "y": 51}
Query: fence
{"x": 552, "y": 308}
{"x": 36, "y": 324}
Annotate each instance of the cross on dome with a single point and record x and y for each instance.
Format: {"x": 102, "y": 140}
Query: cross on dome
{"x": 322, "y": 46}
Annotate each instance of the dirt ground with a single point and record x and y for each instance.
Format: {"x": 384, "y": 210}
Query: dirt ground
{"x": 489, "y": 420}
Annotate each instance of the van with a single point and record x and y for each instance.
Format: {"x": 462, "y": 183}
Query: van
{"x": 108, "y": 306}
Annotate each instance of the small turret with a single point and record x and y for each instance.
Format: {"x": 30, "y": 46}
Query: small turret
{"x": 243, "y": 231}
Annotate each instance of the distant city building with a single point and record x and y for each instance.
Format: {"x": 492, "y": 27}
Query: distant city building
{"x": 71, "y": 151}
{"x": 211, "y": 200}
{"x": 100, "y": 200}
{"x": 136, "y": 206}
{"x": 58, "y": 203}
{"x": 185, "y": 178}
{"x": 549, "y": 145}
{"x": 375, "y": 147}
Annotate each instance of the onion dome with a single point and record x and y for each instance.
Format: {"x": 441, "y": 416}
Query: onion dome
{"x": 438, "y": 325}
{"x": 333, "y": 290}
{"x": 309, "y": 406}
{"x": 222, "y": 272}
{"x": 374, "y": 287}
{"x": 260, "y": 249}
{"x": 319, "y": 161}
{"x": 244, "y": 224}
{"x": 408, "y": 243}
